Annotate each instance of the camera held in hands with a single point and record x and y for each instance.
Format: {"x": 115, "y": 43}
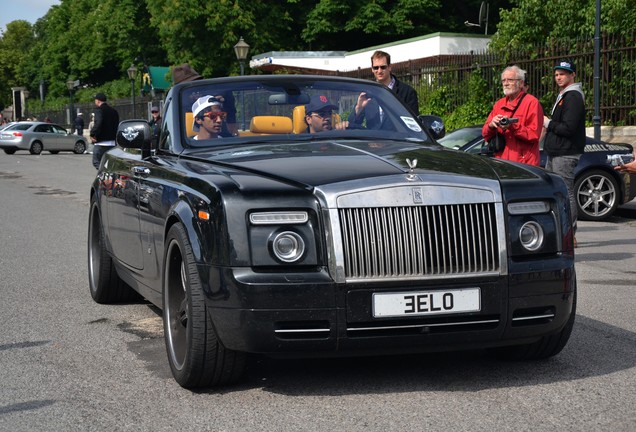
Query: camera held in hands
{"x": 508, "y": 120}
{"x": 619, "y": 159}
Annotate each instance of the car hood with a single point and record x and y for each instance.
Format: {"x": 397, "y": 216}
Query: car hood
{"x": 312, "y": 164}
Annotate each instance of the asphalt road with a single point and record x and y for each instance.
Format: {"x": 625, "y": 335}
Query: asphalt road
{"x": 69, "y": 364}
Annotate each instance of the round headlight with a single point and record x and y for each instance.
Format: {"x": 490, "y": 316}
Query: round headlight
{"x": 531, "y": 236}
{"x": 288, "y": 246}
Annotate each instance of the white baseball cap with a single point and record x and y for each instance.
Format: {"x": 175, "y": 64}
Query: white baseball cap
{"x": 201, "y": 104}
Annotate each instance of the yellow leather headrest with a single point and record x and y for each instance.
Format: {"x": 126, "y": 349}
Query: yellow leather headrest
{"x": 271, "y": 125}
{"x": 300, "y": 126}
{"x": 189, "y": 118}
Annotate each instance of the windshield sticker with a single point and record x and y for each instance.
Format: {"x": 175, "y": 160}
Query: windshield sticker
{"x": 411, "y": 124}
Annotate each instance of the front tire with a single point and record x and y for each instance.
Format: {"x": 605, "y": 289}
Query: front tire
{"x": 197, "y": 357}
{"x": 105, "y": 285}
{"x": 596, "y": 195}
{"x": 9, "y": 151}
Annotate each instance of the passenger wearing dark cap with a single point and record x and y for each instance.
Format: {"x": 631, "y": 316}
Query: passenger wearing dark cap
{"x": 565, "y": 131}
{"x": 104, "y": 128}
{"x": 319, "y": 115}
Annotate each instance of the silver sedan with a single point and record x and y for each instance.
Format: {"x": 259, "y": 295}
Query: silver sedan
{"x": 38, "y": 136}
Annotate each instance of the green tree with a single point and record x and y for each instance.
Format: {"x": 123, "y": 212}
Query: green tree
{"x": 14, "y": 48}
{"x": 533, "y": 22}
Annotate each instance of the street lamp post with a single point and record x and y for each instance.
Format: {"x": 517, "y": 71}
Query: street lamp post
{"x": 70, "y": 85}
{"x": 241, "y": 49}
{"x": 132, "y": 74}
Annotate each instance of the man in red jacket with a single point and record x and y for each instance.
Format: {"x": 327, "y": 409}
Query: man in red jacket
{"x": 522, "y": 136}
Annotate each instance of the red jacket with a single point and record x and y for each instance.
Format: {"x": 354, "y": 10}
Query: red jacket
{"x": 522, "y": 138}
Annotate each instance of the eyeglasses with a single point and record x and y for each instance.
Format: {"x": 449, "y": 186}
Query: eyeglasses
{"x": 322, "y": 114}
{"x": 214, "y": 115}
{"x": 155, "y": 112}
{"x": 383, "y": 67}
{"x": 509, "y": 80}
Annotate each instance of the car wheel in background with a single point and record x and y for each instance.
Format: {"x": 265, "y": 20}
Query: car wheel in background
{"x": 596, "y": 194}
{"x": 9, "y": 150}
{"x": 36, "y": 148}
{"x": 104, "y": 283}
{"x": 80, "y": 147}
{"x": 196, "y": 355}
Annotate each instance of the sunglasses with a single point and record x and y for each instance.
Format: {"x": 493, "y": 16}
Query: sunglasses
{"x": 383, "y": 67}
{"x": 214, "y": 115}
{"x": 154, "y": 112}
{"x": 322, "y": 114}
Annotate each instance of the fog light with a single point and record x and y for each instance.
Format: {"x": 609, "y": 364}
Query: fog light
{"x": 288, "y": 246}
{"x": 531, "y": 236}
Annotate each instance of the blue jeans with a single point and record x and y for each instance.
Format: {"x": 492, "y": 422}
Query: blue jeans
{"x": 565, "y": 167}
{"x": 98, "y": 153}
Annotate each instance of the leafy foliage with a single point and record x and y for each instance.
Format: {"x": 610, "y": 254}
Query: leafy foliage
{"x": 474, "y": 111}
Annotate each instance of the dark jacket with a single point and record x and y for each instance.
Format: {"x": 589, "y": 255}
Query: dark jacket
{"x": 407, "y": 95}
{"x": 106, "y": 122}
{"x": 566, "y": 131}
{"x": 371, "y": 111}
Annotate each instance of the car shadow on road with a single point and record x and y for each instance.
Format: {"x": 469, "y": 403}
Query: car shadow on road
{"x": 595, "y": 349}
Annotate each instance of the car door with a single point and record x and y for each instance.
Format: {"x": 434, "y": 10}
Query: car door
{"x": 61, "y": 139}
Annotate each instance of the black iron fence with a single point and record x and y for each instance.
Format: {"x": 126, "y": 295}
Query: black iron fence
{"x": 617, "y": 100}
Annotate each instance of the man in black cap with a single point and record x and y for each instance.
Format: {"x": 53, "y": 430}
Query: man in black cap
{"x": 318, "y": 115}
{"x": 104, "y": 129}
{"x": 155, "y": 124}
{"x": 565, "y": 131}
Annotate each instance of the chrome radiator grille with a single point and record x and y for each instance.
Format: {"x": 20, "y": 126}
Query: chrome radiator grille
{"x": 416, "y": 241}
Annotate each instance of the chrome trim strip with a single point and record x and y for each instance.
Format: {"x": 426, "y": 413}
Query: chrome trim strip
{"x": 534, "y": 317}
{"x": 421, "y": 325}
{"x": 302, "y": 330}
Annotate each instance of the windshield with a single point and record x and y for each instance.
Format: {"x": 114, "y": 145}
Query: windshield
{"x": 460, "y": 137}
{"x": 275, "y": 108}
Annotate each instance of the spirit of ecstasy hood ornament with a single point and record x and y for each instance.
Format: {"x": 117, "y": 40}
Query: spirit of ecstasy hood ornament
{"x": 412, "y": 164}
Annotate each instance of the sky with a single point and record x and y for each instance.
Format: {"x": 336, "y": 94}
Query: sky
{"x": 29, "y": 10}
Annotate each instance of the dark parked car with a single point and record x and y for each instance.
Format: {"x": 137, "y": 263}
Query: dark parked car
{"x": 38, "y": 136}
{"x": 599, "y": 188}
{"x": 351, "y": 241}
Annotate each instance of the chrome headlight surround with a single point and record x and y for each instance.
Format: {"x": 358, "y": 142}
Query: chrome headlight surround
{"x": 283, "y": 237}
{"x": 531, "y": 236}
{"x": 287, "y": 246}
{"x": 533, "y": 228}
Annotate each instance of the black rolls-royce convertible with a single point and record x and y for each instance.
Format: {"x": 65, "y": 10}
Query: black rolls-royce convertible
{"x": 271, "y": 218}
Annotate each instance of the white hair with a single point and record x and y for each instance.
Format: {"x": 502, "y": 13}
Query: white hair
{"x": 520, "y": 73}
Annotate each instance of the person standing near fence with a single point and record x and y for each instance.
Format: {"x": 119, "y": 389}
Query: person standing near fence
{"x": 104, "y": 128}
{"x": 368, "y": 109}
{"x": 565, "y": 131}
{"x": 521, "y": 138}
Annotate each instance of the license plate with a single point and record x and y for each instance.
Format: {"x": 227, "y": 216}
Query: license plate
{"x": 426, "y": 302}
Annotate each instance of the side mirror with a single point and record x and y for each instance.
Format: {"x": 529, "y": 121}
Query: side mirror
{"x": 134, "y": 134}
{"x": 434, "y": 125}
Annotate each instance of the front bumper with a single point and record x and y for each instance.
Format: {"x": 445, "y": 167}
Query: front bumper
{"x": 310, "y": 315}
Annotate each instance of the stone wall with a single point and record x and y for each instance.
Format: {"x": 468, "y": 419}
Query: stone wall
{"x": 616, "y": 134}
